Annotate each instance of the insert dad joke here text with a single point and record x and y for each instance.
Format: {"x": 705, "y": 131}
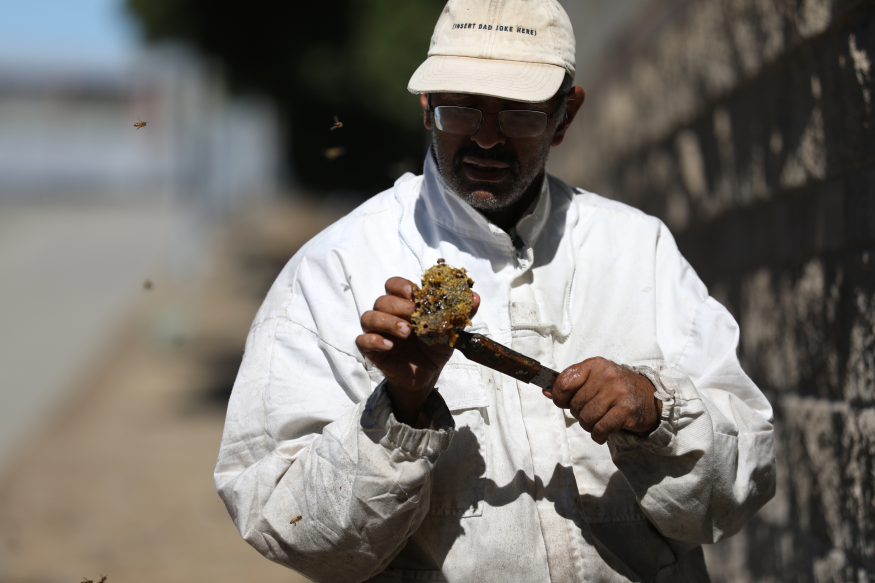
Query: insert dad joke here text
{"x": 475, "y": 26}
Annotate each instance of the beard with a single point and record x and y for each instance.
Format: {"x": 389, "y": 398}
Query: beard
{"x": 489, "y": 196}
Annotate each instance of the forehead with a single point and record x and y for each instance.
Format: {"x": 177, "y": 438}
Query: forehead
{"x": 471, "y": 100}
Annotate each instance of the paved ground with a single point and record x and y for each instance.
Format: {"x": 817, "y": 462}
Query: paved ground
{"x": 120, "y": 482}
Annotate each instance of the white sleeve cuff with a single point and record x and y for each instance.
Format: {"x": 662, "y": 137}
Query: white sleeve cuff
{"x": 378, "y": 421}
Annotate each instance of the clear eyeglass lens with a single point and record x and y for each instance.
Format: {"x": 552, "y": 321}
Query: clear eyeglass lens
{"x": 513, "y": 123}
{"x": 522, "y": 124}
{"x": 457, "y": 120}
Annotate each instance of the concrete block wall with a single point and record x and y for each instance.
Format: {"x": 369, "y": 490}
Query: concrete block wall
{"x": 748, "y": 127}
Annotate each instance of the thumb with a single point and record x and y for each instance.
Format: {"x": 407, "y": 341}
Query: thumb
{"x": 476, "y": 303}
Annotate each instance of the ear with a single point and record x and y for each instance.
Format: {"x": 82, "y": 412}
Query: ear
{"x": 573, "y": 102}
{"x": 426, "y": 114}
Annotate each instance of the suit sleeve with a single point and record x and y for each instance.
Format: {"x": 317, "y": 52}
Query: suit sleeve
{"x": 710, "y": 465}
{"x": 306, "y": 435}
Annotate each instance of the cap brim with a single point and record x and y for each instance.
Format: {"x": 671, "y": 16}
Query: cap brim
{"x": 515, "y": 80}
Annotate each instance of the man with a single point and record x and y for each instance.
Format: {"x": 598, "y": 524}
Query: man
{"x": 354, "y": 452}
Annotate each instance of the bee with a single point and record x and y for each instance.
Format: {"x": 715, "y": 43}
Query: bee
{"x": 102, "y": 579}
{"x": 337, "y": 125}
{"x": 147, "y": 285}
{"x": 139, "y": 124}
{"x": 334, "y": 152}
{"x": 86, "y": 580}
{"x": 295, "y": 520}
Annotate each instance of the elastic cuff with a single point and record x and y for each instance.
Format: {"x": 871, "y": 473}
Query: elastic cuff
{"x": 424, "y": 443}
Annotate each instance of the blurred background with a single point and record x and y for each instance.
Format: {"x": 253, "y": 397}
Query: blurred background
{"x": 133, "y": 260}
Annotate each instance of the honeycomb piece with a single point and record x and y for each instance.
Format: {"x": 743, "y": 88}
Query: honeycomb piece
{"x": 443, "y": 304}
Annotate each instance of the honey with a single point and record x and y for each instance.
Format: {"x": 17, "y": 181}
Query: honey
{"x": 443, "y": 303}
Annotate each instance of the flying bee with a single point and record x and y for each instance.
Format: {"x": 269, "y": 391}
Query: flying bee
{"x": 140, "y": 124}
{"x": 337, "y": 124}
{"x": 295, "y": 520}
{"x": 334, "y": 152}
{"x": 102, "y": 579}
{"x": 86, "y": 580}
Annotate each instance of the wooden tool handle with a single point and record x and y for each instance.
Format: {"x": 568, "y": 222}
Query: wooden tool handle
{"x": 496, "y": 356}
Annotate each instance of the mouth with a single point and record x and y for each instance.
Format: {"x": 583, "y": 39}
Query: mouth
{"x": 485, "y": 170}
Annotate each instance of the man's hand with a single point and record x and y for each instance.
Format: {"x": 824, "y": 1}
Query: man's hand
{"x": 606, "y": 397}
{"x": 410, "y": 366}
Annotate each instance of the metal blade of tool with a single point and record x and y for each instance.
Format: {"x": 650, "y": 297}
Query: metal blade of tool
{"x": 545, "y": 378}
{"x": 491, "y": 354}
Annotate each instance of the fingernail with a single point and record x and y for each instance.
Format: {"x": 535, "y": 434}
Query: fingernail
{"x": 404, "y": 328}
{"x": 388, "y": 343}
{"x": 548, "y": 394}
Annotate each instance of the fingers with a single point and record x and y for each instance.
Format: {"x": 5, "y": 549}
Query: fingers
{"x": 590, "y": 412}
{"x": 570, "y": 382}
{"x": 601, "y": 396}
{"x": 392, "y": 312}
{"x": 612, "y": 422}
{"x": 395, "y": 306}
{"x": 388, "y": 318}
{"x": 608, "y": 413}
{"x": 370, "y": 343}
{"x": 476, "y": 303}
{"x": 385, "y": 324}
{"x": 400, "y": 287}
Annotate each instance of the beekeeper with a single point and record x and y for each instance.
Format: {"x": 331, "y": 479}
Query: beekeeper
{"x": 354, "y": 452}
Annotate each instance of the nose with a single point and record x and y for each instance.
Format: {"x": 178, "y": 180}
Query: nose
{"x": 489, "y": 134}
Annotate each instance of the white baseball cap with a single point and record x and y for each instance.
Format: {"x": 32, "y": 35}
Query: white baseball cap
{"x": 512, "y": 49}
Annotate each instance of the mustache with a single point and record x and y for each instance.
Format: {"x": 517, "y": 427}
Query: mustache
{"x": 497, "y": 154}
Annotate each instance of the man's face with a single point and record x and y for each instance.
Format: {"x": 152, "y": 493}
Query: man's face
{"x": 487, "y": 169}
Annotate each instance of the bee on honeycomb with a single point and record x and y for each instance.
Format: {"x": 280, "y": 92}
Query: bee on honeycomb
{"x": 443, "y": 304}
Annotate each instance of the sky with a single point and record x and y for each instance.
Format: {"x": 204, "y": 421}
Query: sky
{"x": 98, "y": 33}
{"x": 77, "y": 33}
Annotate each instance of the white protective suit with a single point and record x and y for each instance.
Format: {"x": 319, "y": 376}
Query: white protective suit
{"x": 504, "y": 486}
